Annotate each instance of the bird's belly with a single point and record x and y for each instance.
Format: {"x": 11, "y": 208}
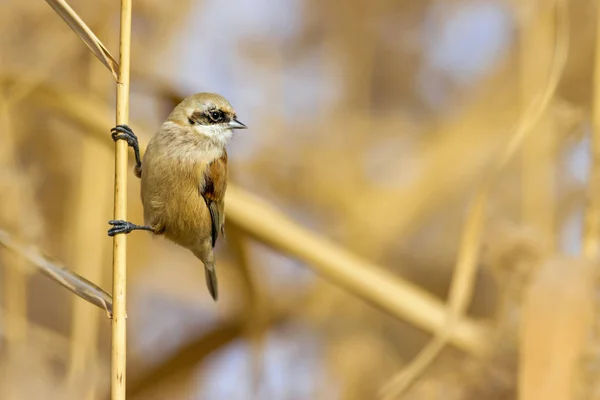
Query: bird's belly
{"x": 182, "y": 215}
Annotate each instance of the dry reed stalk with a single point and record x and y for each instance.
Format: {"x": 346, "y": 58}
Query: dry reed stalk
{"x": 360, "y": 277}
{"x": 591, "y": 236}
{"x": 398, "y": 297}
{"x": 63, "y": 9}
{"x": 556, "y": 319}
{"x": 15, "y": 286}
{"x": 463, "y": 280}
{"x": 51, "y": 268}
{"x": 119, "y": 330}
{"x": 538, "y": 158}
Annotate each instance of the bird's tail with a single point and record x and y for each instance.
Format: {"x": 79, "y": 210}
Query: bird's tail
{"x": 211, "y": 279}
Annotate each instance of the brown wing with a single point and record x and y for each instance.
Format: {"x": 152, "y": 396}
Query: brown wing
{"x": 213, "y": 191}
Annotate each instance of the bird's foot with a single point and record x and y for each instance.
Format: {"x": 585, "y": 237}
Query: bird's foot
{"x": 120, "y": 226}
{"x": 124, "y": 132}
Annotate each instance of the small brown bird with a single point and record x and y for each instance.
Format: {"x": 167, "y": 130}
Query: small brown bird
{"x": 184, "y": 177}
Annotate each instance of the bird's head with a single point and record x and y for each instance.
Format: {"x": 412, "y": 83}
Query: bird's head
{"x": 207, "y": 114}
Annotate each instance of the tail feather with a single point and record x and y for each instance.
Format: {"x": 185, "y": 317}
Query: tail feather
{"x": 211, "y": 280}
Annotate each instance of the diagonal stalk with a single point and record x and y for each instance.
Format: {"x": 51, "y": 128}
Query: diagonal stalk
{"x": 65, "y": 11}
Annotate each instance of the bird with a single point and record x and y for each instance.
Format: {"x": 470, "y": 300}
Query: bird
{"x": 184, "y": 177}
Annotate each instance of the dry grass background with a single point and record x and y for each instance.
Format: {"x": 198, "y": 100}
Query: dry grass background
{"x": 352, "y": 168}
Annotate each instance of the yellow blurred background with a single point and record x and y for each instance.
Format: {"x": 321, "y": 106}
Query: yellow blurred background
{"x": 413, "y": 213}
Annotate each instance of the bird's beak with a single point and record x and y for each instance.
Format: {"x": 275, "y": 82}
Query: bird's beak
{"x": 235, "y": 124}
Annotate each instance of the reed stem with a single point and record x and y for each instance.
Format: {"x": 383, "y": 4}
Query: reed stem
{"x": 119, "y": 328}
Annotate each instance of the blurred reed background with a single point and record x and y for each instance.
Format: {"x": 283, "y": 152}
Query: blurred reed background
{"x": 429, "y": 153}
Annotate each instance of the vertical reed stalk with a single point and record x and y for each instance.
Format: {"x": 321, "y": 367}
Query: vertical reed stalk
{"x": 591, "y": 236}
{"x": 119, "y": 329}
{"x": 537, "y": 43}
{"x": 15, "y": 286}
{"x": 92, "y": 202}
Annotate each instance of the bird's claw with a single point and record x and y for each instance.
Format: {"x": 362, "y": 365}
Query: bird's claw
{"x": 120, "y": 226}
{"x": 124, "y": 132}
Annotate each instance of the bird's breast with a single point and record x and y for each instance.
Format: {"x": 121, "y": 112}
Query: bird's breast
{"x": 172, "y": 181}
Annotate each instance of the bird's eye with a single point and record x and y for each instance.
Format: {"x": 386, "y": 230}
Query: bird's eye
{"x": 216, "y": 116}
{"x": 191, "y": 121}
